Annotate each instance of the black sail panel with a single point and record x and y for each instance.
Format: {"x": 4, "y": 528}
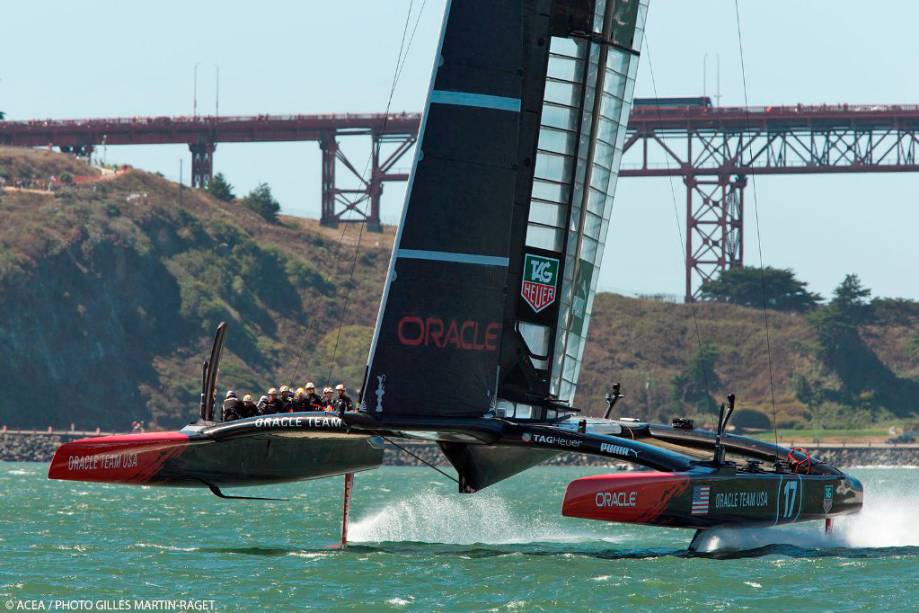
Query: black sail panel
{"x": 490, "y": 288}
{"x": 436, "y": 347}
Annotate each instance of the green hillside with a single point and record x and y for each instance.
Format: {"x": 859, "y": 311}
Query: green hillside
{"x": 110, "y": 291}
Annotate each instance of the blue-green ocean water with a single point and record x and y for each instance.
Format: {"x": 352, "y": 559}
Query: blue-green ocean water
{"x": 420, "y": 546}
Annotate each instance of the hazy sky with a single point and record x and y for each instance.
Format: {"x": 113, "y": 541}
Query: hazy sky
{"x": 98, "y": 59}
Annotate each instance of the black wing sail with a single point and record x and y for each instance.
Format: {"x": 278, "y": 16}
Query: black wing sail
{"x": 479, "y": 296}
{"x": 435, "y": 351}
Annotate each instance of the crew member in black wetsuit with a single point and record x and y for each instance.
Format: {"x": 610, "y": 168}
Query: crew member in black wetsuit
{"x": 313, "y": 400}
{"x": 287, "y": 400}
{"x": 272, "y": 403}
{"x": 232, "y": 407}
{"x": 249, "y": 408}
{"x": 343, "y": 402}
{"x": 328, "y": 403}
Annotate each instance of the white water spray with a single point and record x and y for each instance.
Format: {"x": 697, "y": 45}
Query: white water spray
{"x": 884, "y": 521}
{"x": 459, "y": 520}
{"x": 888, "y": 519}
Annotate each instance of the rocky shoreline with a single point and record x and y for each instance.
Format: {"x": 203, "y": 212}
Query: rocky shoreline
{"x": 17, "y": 448}
{"x": 40, "y": 448}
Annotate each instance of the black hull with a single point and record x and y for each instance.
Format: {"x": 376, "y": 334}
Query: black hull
{"x": 254, "y": 451}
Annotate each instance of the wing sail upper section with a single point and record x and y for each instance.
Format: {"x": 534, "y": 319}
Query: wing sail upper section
{"x": 611, "y": 62}
{"x": 490, "y": 288}
{"x": 435, "y": 350}
{"x": 589, "y": 84}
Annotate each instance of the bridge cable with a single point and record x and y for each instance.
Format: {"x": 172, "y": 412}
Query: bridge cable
{"x": 400, "y": 64}
{"x": 759, "y": 241}
{"x": 676, "y": 217}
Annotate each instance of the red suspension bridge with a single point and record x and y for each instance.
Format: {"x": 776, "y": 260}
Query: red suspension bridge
{"x": 713, "y": 149}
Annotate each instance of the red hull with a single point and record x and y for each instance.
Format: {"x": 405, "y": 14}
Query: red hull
{"x": 631, "y": 498}
{"x": 124, "y": 458}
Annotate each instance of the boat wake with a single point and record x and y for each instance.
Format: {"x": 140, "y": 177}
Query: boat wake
{"x": 484, "y": 518}
{"x": 884, "y": 522}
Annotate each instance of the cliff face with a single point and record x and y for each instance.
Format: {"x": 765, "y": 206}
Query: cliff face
{"x": 110, "y": 291}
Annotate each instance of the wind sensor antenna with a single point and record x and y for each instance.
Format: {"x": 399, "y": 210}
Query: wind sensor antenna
{"x": 612, "y": 399}
{"x": 723, "y": 420}
{"x": 203, "y": 407}
{"x": 209, "y": 375}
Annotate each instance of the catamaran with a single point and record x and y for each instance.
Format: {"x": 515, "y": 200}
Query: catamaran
{"x": 483, "y": 320}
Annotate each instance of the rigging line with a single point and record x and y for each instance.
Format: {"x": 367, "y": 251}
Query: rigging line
{"x": 759, "y": 241}
{"x": 400, "y": 65}
{"x": 401, "y": 57}
{"x": 344, "y": 311}
{"x": 310, "y": 325}
{"x": 357, "y": 247}
{"x": 411, "y": 40}
{"x": 676, "y": 217}
{"x": 419, "y": 458}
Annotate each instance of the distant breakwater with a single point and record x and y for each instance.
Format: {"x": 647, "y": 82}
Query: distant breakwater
{"x": 40, "y": 447}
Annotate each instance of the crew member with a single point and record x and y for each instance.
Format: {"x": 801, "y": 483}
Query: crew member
{"x": 232, "y": 407}
{"x": 272, "y": 403}
{"x": 343, "y": 402}
{"x": 249, "y": 408}
{"x": 328, "y": 404}
{"x": 287, "y": 400}
{"x": 299, "y": 401}
{"x": 313, "y": 400}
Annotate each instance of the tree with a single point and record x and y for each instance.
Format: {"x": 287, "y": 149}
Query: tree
{"x": 912, "y": 345}
{"x": 692, "y": 385}
{"x": 744, "y": 286}
{"x": 850, "y": 300}
{"x": 865, "y": 382}
{"x": 262, "y": 202}
{"x": 220, "y": 188}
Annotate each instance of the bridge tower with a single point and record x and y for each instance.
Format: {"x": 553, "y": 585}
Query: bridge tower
{"x": 347, "y": 204}
{"x": 328, "y": 144}
{"x": 202, "y": 163}
{"x": 714, "y": 228}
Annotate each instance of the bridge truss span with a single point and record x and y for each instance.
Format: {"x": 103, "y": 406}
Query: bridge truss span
{"x": 715, "y": 149}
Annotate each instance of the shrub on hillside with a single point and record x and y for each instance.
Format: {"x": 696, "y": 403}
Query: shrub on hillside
{"x": 895, "y": 311}
{"x": 220, "y": 188}
{"x": 261, "y": 201}
{"x": 694, "y": 384}
{"x": 751, "y": 419}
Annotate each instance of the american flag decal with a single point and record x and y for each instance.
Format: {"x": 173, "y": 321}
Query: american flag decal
{"x": 700, "y": 495}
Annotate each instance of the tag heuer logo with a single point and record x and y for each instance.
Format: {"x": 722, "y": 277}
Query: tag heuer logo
{"x": 827, "y": 498}
{"x": 540, "y": 275}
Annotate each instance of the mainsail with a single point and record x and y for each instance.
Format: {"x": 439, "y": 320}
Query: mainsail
{"x": 490, "y": 287}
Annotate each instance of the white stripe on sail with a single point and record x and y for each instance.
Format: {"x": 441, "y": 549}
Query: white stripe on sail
{"x": 458, "y": 258}
{"x": 485, "y": 101}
